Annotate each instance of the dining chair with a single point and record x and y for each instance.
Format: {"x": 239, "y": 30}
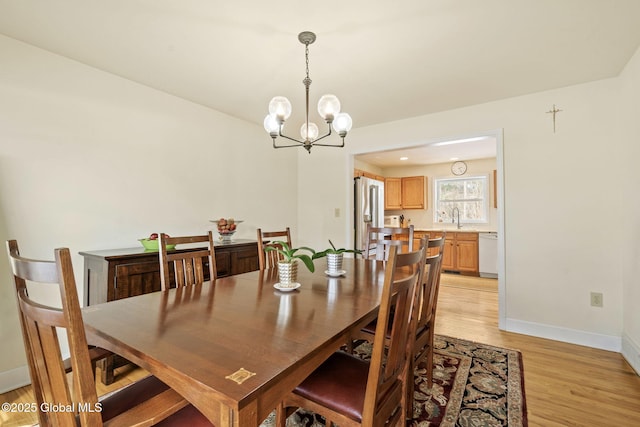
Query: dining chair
{"x": 428, "y": 304}
{"x": 425, "y": 323}
{"x": 381, "y": 239}
{"x": 269, "y": 259}
{"x": 96, "y": 354}
{"x": 349, "y": 391}
{"x": 145, "y": 402}
{"x": 187, "y": 266}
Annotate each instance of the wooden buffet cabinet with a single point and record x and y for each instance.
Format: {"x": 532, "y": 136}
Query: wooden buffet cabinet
{"x": 121, "y": 273}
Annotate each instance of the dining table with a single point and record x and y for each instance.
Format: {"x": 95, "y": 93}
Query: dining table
{"x": 234, "y": 347}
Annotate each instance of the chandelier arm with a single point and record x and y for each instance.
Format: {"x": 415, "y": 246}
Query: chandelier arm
{"x": 299, "y": 144}
{"x": 330, "y": 145}
{"x": 291, "y": 139}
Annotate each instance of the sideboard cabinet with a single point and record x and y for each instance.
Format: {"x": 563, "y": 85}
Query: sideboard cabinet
{"x": 120, "y": 273}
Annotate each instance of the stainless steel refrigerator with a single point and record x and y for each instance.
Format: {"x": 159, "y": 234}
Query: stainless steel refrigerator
{"x": 369, "y": 207}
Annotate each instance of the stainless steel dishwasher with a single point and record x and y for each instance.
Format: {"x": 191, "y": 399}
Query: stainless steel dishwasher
{"x": 488, "y": 254}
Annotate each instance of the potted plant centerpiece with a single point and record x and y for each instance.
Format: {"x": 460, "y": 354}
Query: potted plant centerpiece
{"x": 334, "y": 258}
{"x": 288, "y": 265}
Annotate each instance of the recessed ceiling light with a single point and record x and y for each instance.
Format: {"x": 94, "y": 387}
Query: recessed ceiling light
{"x": 404, "y": 158}
{"x": 454, "y": 158}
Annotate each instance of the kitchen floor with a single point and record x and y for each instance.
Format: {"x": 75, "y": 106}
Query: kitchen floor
{"x": 469, "y": 282}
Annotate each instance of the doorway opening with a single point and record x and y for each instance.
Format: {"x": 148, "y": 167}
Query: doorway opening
{"x": 441, "y": 154}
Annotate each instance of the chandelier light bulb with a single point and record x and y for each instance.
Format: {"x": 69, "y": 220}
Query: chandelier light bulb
{"x": 310, "y": 134}
{"x": 280, "y": 108}
{"x": 342, "y": 124}
{"x": 328, "y": 107}
{"x": 271, "y": 125}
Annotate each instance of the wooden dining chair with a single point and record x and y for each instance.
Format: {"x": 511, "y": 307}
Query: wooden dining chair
{"x": 188, "y": 266}
{"x": 368, "y": 331}
{"x": 269, "y": 259}
{"x": 428, "y": 303}
{"x": 381, "y": 239}
{"x": 349, "y": 391}
{"x": 96, "y": 354}
{"x": 145, "y": 402}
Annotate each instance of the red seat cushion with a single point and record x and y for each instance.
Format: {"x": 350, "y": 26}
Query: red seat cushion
{"x": 338, "y": 384}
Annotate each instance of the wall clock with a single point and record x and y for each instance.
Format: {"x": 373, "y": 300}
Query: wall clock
{"x": 458, "y": 168}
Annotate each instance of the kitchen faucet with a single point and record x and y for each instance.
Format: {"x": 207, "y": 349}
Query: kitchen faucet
{"x": 453, "y": 211}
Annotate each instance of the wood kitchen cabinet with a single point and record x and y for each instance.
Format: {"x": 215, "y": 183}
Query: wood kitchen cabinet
{"x": 393, "y": 193}
{"x": 405, "y": 193}
{"x": 359, "y": 172}
{"x": 461, "y": 252}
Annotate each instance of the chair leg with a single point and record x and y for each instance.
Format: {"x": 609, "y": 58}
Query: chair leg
{"x": 430, "y": 358}
{"x": 407, "y": 403}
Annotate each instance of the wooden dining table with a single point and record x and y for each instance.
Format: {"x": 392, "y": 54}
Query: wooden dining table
{"x": 234, "y": 347}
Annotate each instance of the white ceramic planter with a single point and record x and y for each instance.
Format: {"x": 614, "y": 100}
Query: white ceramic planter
{"x": 334, "y": 262}
{"x": 288, "y": 273}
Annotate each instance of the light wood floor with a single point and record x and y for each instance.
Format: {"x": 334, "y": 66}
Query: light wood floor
{"x": 565, "y": 384}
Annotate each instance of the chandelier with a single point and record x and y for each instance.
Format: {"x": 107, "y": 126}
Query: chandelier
{"x": 328, "y": 108}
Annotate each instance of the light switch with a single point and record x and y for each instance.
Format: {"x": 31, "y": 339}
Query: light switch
{"x": 336, "y": 212}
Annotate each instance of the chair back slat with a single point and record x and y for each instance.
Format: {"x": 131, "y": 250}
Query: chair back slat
{"x": 269, "y": 259}
{"x": 429, "y": 287}
{"x": 188, "y": 266}
{"x": 39, "y": 327}
{"x": 379, "y": 241}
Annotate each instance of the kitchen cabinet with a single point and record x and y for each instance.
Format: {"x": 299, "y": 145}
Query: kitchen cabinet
{"x": 393, "y": 193}
{"x": 461, "y": 252}
{"x": 405, "y": 193}
{"x": 413, "y": 194}
{"x": 359, "y": 172}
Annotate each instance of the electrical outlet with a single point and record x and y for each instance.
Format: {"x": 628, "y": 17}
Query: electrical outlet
{"x": 596, "y": 299}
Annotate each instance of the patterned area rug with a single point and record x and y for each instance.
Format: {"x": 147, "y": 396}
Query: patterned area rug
{"x": 474, "y": 385}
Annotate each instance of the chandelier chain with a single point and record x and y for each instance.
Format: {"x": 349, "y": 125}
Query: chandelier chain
{"x": 307, "y": 80}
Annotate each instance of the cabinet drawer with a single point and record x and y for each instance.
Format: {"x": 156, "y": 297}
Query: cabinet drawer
{"x": 466, "y": 236}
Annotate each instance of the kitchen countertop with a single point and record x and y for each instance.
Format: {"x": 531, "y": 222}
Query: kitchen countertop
{"x": 454, "y": 229}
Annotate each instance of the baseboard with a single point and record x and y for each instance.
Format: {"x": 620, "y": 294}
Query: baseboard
{"x": 14, "y": 378}
{"x": 572, "y": 336}
{"x": 631, "y": 352}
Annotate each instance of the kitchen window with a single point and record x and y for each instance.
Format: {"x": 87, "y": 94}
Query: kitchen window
{"x": 469, "y": 194}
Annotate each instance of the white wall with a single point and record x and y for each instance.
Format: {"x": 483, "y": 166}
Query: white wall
{"x": 91, "y": 161}
{"x": 561, "y": 202}
{"x": 629, "y": 107}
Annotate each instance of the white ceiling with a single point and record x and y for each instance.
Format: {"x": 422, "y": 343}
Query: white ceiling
{"x": 384, "y": 60}
{"x": 480, "y": 147}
